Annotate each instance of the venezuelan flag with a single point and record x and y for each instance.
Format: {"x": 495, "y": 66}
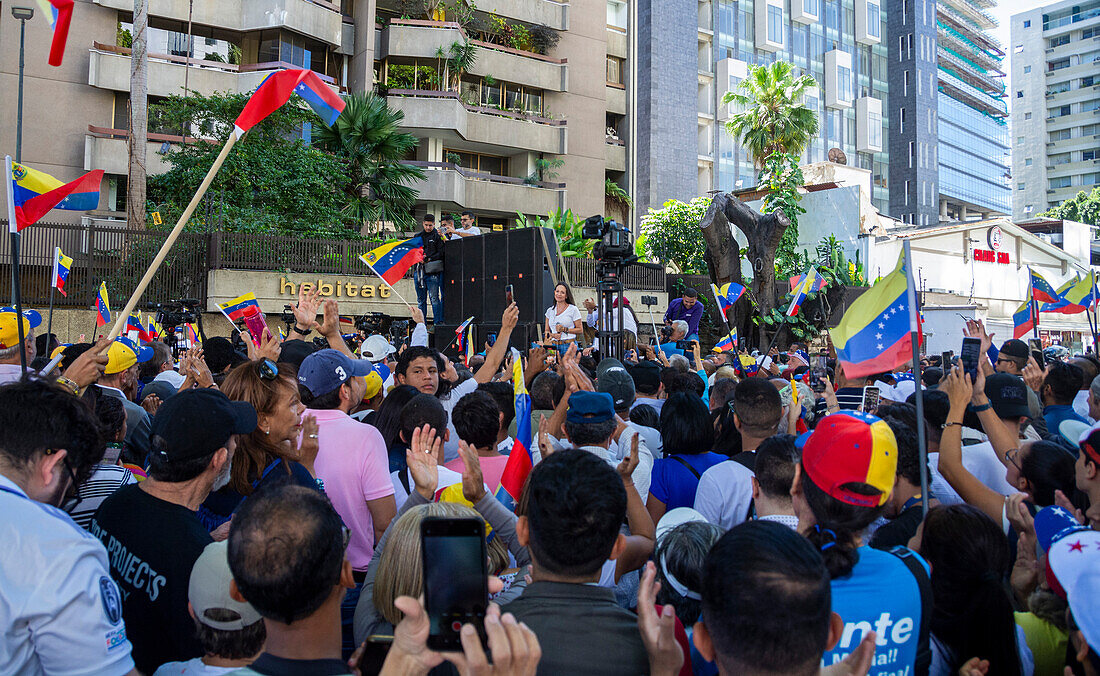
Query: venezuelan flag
{"x": 240, "y": 307}
{"x": 729, "y": 342}
{"x": 747, "y": 364}
{"x": 154, "y": 330}
{"x": 810, "y": 282}
{"x": 102, "y": 306}
{"x": 470, "y": 348}
{"x": 1041, "y": 288}
{"x": 1024, "y": 319}
{"x": 873, "y": 335}
{"x": 1082, "y": 295}
{"x": 726, "y": 295}
{"x": 59, "y": 14}
{"x": 62, "y": 264}
{"x": 519, "y": 461}
{"x": 36, "y": 192}
{"x": 193, "y": 335}
{"x": 393, "y": 259}
{"x": 276, "y": 90}
{"x": 1063, "y": 306}
{"x": 133, "y": 323}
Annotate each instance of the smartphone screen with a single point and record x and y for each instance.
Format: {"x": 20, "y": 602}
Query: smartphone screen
{"x": 870, "y": 399}
{"x": 491, "y": 339}
{"x": 456, "y": 588}
{"x": 945, "y": 360}
{"x": 508, "y": 299}
{"x": 969, "y": 356}
{"x": 1036, "y": 347}
{"x": 819, "y": 372}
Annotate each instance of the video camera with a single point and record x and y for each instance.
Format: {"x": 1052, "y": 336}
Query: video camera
{"x": 177, "y": 312}
{"x": 372, "y": 322}
{"x": 615, "y": 245}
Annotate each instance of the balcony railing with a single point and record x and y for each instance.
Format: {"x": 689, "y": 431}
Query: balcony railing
{"x": 434, "y": 94}
{"x": 481, "y": 176}
{"x": 480, "y": 43}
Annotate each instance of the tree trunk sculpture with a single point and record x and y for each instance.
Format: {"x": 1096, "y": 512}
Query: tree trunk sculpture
{"x": 763, "y": 233}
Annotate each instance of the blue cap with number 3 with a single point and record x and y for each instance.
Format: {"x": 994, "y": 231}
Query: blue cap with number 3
{"x": 325, "y": 370}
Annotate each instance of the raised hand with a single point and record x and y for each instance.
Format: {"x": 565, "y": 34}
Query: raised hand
{"x": 422, "y": 460}
{"x": 305, "y": 310}
{"x": 473, "y": 481}
{"x": 89, "y": 366}
{"x": 307, "y": 445}
{"x": 666, "y": 658}
{"x": 545, "y": 447}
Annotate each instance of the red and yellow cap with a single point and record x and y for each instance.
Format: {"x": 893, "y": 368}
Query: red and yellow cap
{"x": 9, "y": 326}
{"x": 851, "y": 447}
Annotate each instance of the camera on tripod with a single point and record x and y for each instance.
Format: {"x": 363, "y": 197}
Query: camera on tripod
{"x": 175, "y": 312}
{"x": 371, "y": 322}
{"x": 615, "y": 245}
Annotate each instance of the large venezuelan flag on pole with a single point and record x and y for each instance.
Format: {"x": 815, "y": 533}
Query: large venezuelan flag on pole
{"x": 1041, "y": 288}
{"x": 36, "y": 192}
{"x": 810, "y": 282}
{"x": 392, "y": 260}
{"x": 59, "y": 13}
{"x": 1023, "y": 319}
{"x": 277, "y": 88}
{"x": 874, "y": 334}
{"x": 519, "y": 461}
{"x": 726, "y": 295}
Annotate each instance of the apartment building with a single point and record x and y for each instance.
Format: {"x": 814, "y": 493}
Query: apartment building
{"x": 839, "y": 42}
{"x": 537, "y": 123}
{"x": 949, "y": 124}
{"x": 1056, "y": 104}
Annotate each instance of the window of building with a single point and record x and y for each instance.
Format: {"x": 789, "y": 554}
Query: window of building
{"x": 1019, "y": 140}
{"x": 1058, "y": 65}
{"x": 1019, "y": 93}
{"x": 775, "y": 24}
{"x": 1027, "y": 23}
{"x": 901, "y": 121}
{"x": 1060, "y": 135}
{"x": 1086, "y": 106}
{"x": 875, "y": 130}
{"x": 616, "y": 14}
{"x": 905, "y": 83}
{"x": 1060, "y": 182}
{"x": 1017, "y": 49}
{"x": 1058, "y": 41}
{"x": 478, "y": 162}
{"x": 1090, "y": 130}
{"x": 1021, "y": 186}
{"x": 912, "y": 159}
{"x": 844, "y": 83}
{"x": 1027, "y": 162}
{"x": 1088, "y": 155}
{"x": 811, "y": 7}
{"x": 874, "y": 22}
{"x": 1027, "y": 69}
{"x": 615, "y": 70}
{"x": 1088, "y": 80}
{"x": 1061, "y": 112}
{"x": 1027, "y": 116}
{"x": 1060, "y": 158}
{"x": 1058, "y": 88}
{"x": 1090, "y": 33}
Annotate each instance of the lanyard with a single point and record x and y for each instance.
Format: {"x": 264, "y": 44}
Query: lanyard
{"x": 915, "y": 500}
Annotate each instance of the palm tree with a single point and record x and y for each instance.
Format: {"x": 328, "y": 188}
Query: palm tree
{"x": 772, "y": 116}
{"x": 774, "y": 124}
{"x": 456, "y": 62}
{"x": 367, "y": 137}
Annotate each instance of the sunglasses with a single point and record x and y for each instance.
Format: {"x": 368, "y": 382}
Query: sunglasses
{"x": 269, "y": 370}
{"x": 1011, "y": 455}
{"x": 72, "y": 493}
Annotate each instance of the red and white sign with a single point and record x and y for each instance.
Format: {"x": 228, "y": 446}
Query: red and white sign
{"x": 987, "y": 256}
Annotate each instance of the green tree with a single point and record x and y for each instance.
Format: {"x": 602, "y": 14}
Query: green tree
{"x": 368, "y": 141}
{"x": 272, "y": 182}
{"x": 1084, "y": 208}
{"x": 672, "y": 234}
{"x": 457, "y": 60}
{"x": 571, "y": 243}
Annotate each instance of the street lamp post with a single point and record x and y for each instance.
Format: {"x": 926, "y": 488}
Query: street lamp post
{"x": 23, "y": 14}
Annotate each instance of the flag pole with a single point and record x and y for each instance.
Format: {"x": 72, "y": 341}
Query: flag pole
{"x": 1032, "y": 304}
{"x": 718, "y": 305}
{"x": 914, "y": 338}
{"x": 13, "y": 229}
{"x": 171, "y": 239}
{"x": 402, "y": 298}
{"x": 49, "y": 320}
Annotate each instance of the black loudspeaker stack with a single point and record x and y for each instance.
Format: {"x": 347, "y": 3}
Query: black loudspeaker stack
{"x": 475, "y": 274}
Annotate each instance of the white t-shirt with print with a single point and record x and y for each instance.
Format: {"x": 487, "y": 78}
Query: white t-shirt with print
{"x": 568, "y": 319}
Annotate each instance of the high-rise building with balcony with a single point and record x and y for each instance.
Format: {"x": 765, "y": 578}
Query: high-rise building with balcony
{"x": 839, "y": 42}
{"x": 536, "y": 124}
{"x": 950, "y": 119}
{"x": 1055, "y": 105}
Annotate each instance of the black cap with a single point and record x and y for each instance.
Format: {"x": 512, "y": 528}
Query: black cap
{"x": 295, "y": 351}
{"x": 613, "y": 378}
{"x": 1008, "y": 394}
{"x": 195, "y": 423}
{"x": 647, "y": 376}
{"x": 1017, "y": 349}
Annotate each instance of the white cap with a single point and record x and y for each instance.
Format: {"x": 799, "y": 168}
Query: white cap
{"x": 209, "y": 589}
{"x": 173, "y": 378}
{"x": 676, "y": 517}
{"x": 1075, "y": 561}
{"x": 377, "y": 348}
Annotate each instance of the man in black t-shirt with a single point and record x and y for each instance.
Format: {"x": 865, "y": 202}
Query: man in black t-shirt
{"x": 428, "y": 275}
{"x": 150, "y": 530}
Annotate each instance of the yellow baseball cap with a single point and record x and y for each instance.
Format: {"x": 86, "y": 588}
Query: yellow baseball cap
{"x": 9, "y": 328}
{"x": 124, "y": 353}
{"x": 374, "y": 385}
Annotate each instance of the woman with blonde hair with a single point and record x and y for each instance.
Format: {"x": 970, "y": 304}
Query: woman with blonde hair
{"x": 398, "y": 571}
{"x": 282, "y": 447}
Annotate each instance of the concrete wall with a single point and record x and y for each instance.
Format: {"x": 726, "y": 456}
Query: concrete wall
{"x": 440, "y": 114}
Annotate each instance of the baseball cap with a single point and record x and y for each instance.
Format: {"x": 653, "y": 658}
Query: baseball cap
{"x": 374, "y": 385}
{"x": 677, "y": 517}
{"x": 646, "y": 375}
{"x": 612, "y": 378}
{"x": 208, "y": 589}
{"x": 851, "y": 447}
{"x": 590, "y": 407}
{"x": 1054, "y": 523}
{"x": 194, "y": 423}
{"x": 1016, "y": 348}
{"x": 295, "y": 351}
{"x": 377, "y": 348}
{"x": 1008, "y": 394}
{"x": 124, "y": 353}
{"x": 1089, "y": 441}
{"x": 1074, "y": 560}
{"x": 9, "y": 328}
{"x": 325, "y": 370}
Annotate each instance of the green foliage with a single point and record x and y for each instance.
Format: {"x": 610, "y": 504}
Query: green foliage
{"x": 453, "y": 158}
{"x": 1084, "y": 208}
{"x": 123, "y": 37}
{"x": 544, "y": 170}
{"x": 458, "y": 59}
{"x": 614, "y": 193}
{"x": 368, "y": 141}
{"x": 568, "y": 227}
{"x": 772, "y": 116}
{"x": 672, "y": 234}
{"x": 272, "y": 182}
{"x": 781, "y": 177}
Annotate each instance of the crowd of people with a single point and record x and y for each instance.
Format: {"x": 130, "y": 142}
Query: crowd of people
{"x": 255, "y": 507}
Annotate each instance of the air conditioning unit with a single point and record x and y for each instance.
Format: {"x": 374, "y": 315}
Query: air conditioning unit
{"x": 938, "y": 290}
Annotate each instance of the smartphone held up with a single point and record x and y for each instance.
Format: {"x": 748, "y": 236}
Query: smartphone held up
{"x": 456, "y": 570}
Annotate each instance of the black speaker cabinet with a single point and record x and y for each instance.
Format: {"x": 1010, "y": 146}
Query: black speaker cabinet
{"x": 477, "y": 270}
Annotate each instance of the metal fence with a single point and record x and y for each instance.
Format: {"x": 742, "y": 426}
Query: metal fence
{"x": 119, "y": 256}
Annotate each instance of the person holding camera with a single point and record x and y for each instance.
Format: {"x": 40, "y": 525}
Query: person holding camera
{"x": 429, "y": 274}
{"x": 686, "y": 308}
{"x": 563, "y": 319}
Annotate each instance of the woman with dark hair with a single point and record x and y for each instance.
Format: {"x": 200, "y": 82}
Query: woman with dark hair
{"x": 563, "y": 319}
{"x": 841, "y": 486}
{"x": 727, "y": 439}
{"x": 282, "y": 447}
{"x": 646, "y": 416}
{"x": 686, "y": 436}
{"x": 1037, "y": 468}
{"x": 973, "y": 615}
{"x": 388, "y": 423}
{"x": 680, "y": 557}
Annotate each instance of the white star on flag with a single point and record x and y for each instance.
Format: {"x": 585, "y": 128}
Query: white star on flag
{"x": 878, "y": 336}
{"x": 880, "y": 346}
{"x": 881, "y": 325}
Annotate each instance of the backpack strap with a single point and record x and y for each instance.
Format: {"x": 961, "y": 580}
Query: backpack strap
{"x": 685, "y": 463}
{"x": 924, "y": 584}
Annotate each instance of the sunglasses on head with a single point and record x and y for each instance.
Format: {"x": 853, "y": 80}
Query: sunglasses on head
{"x": 269, "y": 370}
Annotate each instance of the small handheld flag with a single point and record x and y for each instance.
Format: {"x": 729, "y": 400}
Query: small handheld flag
{"x": 392, "y": 260}
{"x": 519, "y": 461}
{"x": 729, "y": 342}
{"x": 470, "y": 349}
{"x": 102, "y": 306}
{"x": 240, "y": 307}
{"x": 37, "y": 192}
{"x": 726, "y": 295}
{"x": 1023, "y": 319}
{"x": 59, "y": 13}
{"x": 874, "y": 334}
{"x": 810, "y": 282}
{"x": 276, "y": 90}
{"x": 62, "y": 264}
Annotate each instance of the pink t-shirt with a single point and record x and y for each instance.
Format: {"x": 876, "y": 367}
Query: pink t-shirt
{"x": 491, "y": 469}
{"x": 352, "y": 462}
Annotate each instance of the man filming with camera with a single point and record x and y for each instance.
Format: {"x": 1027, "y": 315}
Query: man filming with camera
{"x": 686, "y": 308}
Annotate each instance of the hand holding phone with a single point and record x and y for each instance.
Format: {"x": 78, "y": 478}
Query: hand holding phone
{"x": 970, "y": 355}
{"x": 456, "y": 590}
{"x": 870, "y": 399}
{"x": 508, "y": 296}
